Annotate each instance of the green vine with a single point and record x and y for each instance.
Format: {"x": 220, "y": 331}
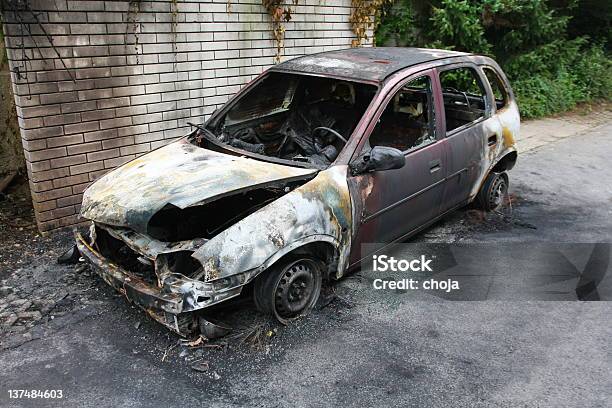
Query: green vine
{"x": 366, "y": 14}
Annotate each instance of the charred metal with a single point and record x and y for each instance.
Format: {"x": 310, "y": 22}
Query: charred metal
{"x": 282, "y": 185}
{"x": 171, "y": 224}
{"x": 293, "y": 117}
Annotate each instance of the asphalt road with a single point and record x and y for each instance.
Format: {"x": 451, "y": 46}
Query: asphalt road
{"x": 366, "y": 348}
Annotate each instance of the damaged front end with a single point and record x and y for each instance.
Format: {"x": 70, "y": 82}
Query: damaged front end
{"x": 184, "y": 228}
{"x": 152, "y": 214}
{"x": 146, "y": 271}
{"x": 188, "y": 225}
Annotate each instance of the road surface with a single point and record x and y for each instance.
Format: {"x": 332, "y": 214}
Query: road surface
{"x": 366, "y": 348}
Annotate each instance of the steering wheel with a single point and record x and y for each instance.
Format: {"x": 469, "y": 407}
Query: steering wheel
{"x": 330, "y": 130}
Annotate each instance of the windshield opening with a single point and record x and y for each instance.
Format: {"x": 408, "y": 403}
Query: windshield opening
{"x": 300, "y": 118}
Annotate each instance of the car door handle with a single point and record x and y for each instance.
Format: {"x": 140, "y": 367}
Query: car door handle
{"x": 434, "y": 165}
{"x": 492, "y": 141}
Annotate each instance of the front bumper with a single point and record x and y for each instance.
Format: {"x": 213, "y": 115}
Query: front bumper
{"x": 134, "y": 288}
{"x": 175, "y": 297}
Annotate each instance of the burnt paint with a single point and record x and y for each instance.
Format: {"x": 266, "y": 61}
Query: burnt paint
{"x": 322, "y": 210}
{"x": 180, "y": 174}
{"x": 372, "y": 64}
{"x": 319, "y": 210}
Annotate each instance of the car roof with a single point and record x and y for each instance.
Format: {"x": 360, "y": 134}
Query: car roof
{"x": 372, "y": 64}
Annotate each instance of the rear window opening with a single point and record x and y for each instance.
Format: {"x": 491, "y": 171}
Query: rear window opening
{"x": 497, "y": 87}
{"x": 299, "y": 118}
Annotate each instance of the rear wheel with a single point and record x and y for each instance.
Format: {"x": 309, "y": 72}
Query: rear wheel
{"x": 491, "y": 195}
{"x": 289, "y": 289}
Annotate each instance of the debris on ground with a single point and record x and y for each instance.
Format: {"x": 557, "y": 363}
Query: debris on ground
{"x": 256, "y": 336}
{"x": 194, "y": 343}
{"x": 201, "y": 366}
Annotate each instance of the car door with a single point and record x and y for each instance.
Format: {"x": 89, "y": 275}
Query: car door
{"x": 469, "y": 136}
{"x": 392, "y": 203}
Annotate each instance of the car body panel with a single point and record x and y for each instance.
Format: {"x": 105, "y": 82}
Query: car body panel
{"x": 365, "y": 64}
{"x": 180, "y": 174}
{"x": 319, "y": 210}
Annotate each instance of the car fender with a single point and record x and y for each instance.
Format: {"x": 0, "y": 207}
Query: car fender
{"x": 295, "y": 245}
{"x": 507, "y": 125}
{"x": 318, "y": 211}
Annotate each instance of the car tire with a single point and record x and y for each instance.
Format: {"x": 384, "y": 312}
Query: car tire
{"x": 492, "y": 193}
{"x": 289, "y": 289}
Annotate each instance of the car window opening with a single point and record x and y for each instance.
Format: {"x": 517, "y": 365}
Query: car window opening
{"x": 464, "y": 97}
{"x": 497, "y": 86}
{"x": 300, "y": 118}
{"x": 407, "y": 121}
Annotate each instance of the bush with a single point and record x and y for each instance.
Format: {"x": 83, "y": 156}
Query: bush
{"x": 593, "y": 73}
{"x": 539, "y": 95}
{"x": 549, "y": 71}
{"x": 555, "y": 77}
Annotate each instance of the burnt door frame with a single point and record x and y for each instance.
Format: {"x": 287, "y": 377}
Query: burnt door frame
{"x": 367, "y": 190}
{"x": 468, "y": 145}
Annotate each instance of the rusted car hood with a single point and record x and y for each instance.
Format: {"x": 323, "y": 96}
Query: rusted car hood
{"x": 180, "y": 174}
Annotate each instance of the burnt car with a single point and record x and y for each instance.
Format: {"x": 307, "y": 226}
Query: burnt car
{"x": 278, "y": 190}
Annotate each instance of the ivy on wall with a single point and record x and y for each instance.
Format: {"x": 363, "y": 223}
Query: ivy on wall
{"x": 363, "y": 18}
{"x": 279, "y": 15}
{"x": 365, "y": 15}
{"x": 132, "y": 20}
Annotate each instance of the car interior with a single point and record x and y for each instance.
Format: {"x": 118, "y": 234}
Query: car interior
{"x": 464, "y": 97}
{"x": 405, "y": 123}
{"x": 295, "y": 117}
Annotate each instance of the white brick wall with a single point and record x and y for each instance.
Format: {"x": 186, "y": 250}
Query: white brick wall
{"x": 133, "y": 93}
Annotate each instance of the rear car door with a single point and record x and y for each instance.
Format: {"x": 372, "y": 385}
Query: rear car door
{"x": 469, "y": 137}
{"x": 392, "y": 203}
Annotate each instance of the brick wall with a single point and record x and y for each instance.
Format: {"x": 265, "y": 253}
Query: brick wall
{"x": 137, "y": 72}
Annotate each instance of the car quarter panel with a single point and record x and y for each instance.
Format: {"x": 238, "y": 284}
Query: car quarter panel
{"x": 318, "y": 211}
{"x": 504, "y": 123}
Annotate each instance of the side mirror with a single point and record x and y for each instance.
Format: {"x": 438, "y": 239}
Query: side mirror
{"x": 378, "y": 159}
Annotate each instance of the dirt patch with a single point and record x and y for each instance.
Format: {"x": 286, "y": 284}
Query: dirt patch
{"x": 18, "y": 228}
{"x": 11, "y": 151}
{"x": 592, "y": 114}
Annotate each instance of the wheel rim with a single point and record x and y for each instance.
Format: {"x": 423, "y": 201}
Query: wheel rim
{"x": 497, "y": 193}
{"x": 297, "y": 289}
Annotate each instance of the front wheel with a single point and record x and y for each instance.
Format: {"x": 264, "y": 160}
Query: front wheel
{"x": 289, "y": 289}
{"x": 491, "y": 195}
